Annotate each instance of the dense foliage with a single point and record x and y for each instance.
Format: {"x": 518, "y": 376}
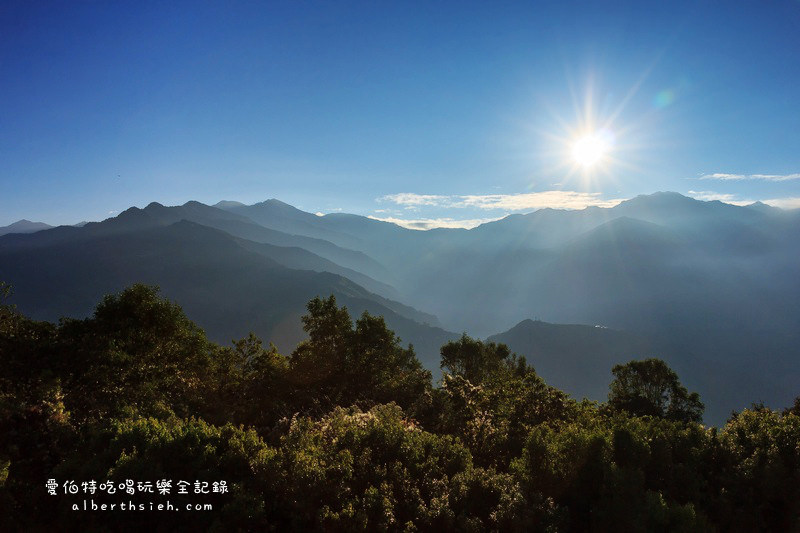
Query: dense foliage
{"x": 348, "y": 433}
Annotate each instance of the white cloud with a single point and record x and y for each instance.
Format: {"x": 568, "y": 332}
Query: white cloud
{"x": 538, "y": 200}
{"x": 791, "y": 202}
{"x": 722, "y": 176}
{"x": 410, "y": 199}
{"x": 739, "y": 177}
{"x": 775, "y": 177}
{"x": 709, "y": 196}
{"x": 506, "y": 202}
{"x": 335, "y": 210}
{"x": 784, "y": 203}
{"x": 431, "y": 223}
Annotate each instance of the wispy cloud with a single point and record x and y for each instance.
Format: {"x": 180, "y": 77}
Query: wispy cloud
{"x": 740, "y": 177}
{"x": 410, "y": 199}
{"x": 792, "y": 202}
{"x": 709, "y": 196}
{"x": 538, "y": 200}
{"x": 506, "y": 202}
{"x": 431, "y": 223}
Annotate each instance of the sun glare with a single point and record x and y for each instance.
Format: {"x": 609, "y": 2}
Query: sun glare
{"x": 591, "y": 149}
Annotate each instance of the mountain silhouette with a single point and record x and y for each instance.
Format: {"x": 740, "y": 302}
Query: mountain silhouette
{"x": 712, "y": 287}
{"x": 577, "y": 358}
{"x": 228, "y": 285}
{"x": 24, "y": 226}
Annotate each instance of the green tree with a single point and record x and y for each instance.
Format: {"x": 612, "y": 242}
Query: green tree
{"x": 794, "y": 409}
{"x": 138, "y": 352}
{"x": 341, "y": 364}
{"x": 376, "y": 470}
{"x": 761, "y": 477}
{"x": 248, "y": 384}
{"x": 494, "y": 418}
{"x": 650, "y": 387}
{"x": 612, "y": 472}
{"x": 317, "y": 362}
{"x": 476, "y": 361}
{"x": 149, "y": 449}
{"x": 6, "y": 310}
{"x": 35, "y": 427}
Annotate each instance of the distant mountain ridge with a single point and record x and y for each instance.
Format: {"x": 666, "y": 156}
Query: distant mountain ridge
{"x": 706, "y": 281}
{"x": 577, "y": 357}
{"x": 223, "y": 284}
{"x": 711, "y": 286}
{"x": 24, "y": 226}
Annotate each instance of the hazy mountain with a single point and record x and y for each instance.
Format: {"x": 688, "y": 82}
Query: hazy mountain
{"x": 301, "y": 259}
{"x": 24, "y": 226}
{"x": 222, "y": 283}
{"x": 544, "y": 228}
{"x": 575, "y": 358}
{"x": 228, "y": 220}
{"x": 283, "y": 217}
{"x": 227, "y": 204}
{"x": 289, "y": 250}
{"x": 347, "y": 262}
{"x": 713, "y": 285}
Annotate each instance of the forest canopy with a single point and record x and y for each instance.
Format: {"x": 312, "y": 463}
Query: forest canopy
{"x": 348, "y": 432}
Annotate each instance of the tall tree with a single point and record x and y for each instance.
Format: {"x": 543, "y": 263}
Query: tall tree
{"x": 340, "y": 364}
{"x": 138, "y": 351}
{"x": 476, "y": 360}
{"x": 650, "y": 387}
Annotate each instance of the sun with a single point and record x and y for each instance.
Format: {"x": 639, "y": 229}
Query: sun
{"x": 590, "y": 149}
{"x": 597, "y": 148}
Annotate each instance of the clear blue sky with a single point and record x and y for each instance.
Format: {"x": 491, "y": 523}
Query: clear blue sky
{"x": 470, "y": 110}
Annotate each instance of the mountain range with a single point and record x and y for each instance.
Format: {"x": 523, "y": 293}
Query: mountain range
{"x": 24, "y": 226}
{"x": 710, "y": 287}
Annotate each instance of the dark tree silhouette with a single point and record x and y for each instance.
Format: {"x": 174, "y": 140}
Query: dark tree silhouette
{"x": 341, "y": 364}
{"x": 476, "y": 360}
{"x": 650, "y": 387}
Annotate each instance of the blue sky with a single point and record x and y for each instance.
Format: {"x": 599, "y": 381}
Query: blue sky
{"x": 434, "y": 112}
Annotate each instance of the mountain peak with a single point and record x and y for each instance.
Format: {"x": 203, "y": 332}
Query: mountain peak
{"x": 663, "y": 207}
{"x": 764, "y": 208}
{"x": 228, "y": 204}
{"x": 24, "y": 226}
{"x": 279, "y": 208}
{"x": 274, "y": 202}
{"x": 661, "y": 199}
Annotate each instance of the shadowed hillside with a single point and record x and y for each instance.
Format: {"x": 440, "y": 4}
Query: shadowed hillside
{"x": 574, "y": 358}
{"x": 712, "y": 286}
